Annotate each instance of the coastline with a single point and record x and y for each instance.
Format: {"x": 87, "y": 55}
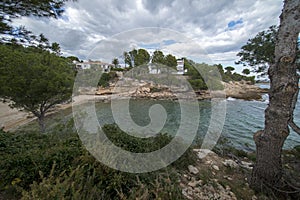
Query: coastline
{"x": 11, "y": 119}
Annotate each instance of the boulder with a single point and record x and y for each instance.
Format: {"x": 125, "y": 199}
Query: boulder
{"x": 230, "y": 163}
{"x": 193, "y": 169}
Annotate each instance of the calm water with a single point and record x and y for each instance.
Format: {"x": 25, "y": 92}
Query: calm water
{"x": 243, "y": 119}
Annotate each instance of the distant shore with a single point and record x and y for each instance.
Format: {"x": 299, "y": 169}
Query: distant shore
{"x": 11, "y": 119}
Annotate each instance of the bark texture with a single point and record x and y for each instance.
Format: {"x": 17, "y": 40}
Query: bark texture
{"x": 283, "y": 89}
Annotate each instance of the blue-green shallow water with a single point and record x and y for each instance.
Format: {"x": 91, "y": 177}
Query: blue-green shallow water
{"x": 243, "y": 119}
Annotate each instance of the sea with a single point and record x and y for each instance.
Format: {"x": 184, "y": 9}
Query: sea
{"x": 243, "y": 118}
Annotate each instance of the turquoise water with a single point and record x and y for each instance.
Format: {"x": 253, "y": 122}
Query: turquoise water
{"x": 243, "y": 119}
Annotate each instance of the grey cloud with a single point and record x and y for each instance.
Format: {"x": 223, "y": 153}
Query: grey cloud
{"x": 203, "y": 20}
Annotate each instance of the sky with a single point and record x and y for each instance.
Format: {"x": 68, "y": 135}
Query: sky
{"x": 182, "y": 27}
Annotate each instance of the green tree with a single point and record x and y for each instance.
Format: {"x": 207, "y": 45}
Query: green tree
{"x": 115, "y": 62}
{"x": 142, "y": 57}
{"x": 158, "y": 57}
{"x": 283, "y": 94}
{"x": 34, "y": 80}
{"x": 246, "y": 71}
{"x": 127, "y": 59}
{"x": 12, "y": 9}
{"x": 55, "y": 48}
{"x": 229, "y": 70}
{"x": 106, "y": 78}
{"x": 259, "y": 51}
{"x": 170, "y": 61}
{"x": 73, "y": 58}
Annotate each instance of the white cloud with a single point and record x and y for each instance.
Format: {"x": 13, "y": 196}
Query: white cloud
{"x": 205, "y": 22}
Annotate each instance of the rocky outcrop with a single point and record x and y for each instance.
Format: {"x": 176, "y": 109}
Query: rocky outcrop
{"x": 239, "y": 90}
{"x": 243, "y": 90}
{"x": 208, "y": 178}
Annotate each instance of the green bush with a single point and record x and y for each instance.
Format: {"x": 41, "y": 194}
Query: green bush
{"x": 56, "y": 166}
{"x": 106, "y": 78}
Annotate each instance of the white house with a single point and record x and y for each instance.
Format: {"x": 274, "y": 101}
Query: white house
{"x": 180, "y": 66}
{"x": 153, "y": 69}
{"x": 97, "y": 64}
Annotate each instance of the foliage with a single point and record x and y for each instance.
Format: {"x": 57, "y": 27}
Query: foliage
{"x": 246, "y": 71}
{"x": 57, "y": 166}
{"x": 170, "y": 61}
{"x": 106, "y": 78}
{"x": 11, "y": 9}
{"x": 158, "y": 57}
{"x": 142, "y": 57}
{"x": 136, "y": 58}
{"x": 34, "y": 80}
{"x": 115, "y": 62}
{"x": 258, "y": 52}
{"x": 229, "y": 70}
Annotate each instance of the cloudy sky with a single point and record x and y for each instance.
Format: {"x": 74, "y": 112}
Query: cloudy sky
{"x": 217, "y": 27}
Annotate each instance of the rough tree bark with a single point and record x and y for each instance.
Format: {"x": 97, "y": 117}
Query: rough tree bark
{"x": 279, "y": 113}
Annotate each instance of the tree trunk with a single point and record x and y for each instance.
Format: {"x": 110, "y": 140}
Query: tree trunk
{"x": 267, "y": 171}
{"x": 42, "y": 125}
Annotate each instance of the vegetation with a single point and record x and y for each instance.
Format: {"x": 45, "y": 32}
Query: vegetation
{"x": 12, "y": 9}
{"x": 259, "y": 51}
{"x": 213, "y": 80}
{"x": 115, "y": 62}
{"x": 106, "y": 78}
{"x": 284, "y": 79}
{"x": 57, "y": 166}
{"x": 136, "y": 58}
{"x": 246, "y": 71}
{"x": 34, "y": 79}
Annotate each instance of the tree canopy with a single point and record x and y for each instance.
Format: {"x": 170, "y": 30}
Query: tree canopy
{"x": 11, "y": 9}
{"x": 158, "y": 57}
{"x": 246, "y": 71}
{"x": 136, "y": 58}
{"x": 34, "y": 80}
{"x": 259, "y": 51}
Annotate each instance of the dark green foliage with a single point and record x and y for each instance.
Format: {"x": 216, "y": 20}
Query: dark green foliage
{"x": 259, "y": 51}
{"x": 198, "y": 84}
{"x": 246, "y": 71}
{"x": 158, "y": 57}
{"x": 229, "y": 76}
{"x": 117, "y": 69}
{"x": 134, "y": 144}
{"x": 57, "y": 166}
{"x": 229, "y": 70}
{"x": 34, "y": 80}
{"x": 142, "y": 57}
{"x": 136, "y": 58}
{"x": 16, "y": 9}
{"x": 106, "y": 78}
{"x": 115, "y": 62}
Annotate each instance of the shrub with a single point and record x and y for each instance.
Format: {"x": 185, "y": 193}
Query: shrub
{"x": 57, "y": 166}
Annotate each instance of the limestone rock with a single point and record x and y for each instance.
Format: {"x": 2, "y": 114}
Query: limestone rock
{"x": 193, "y": 169}
{"x": 202, "y": 153}
{"x": 215, "y": 167}
{"x": 230, "y": 163}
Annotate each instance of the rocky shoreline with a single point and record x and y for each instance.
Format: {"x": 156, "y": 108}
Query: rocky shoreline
{"x": 12, "y": 118}
{"x": 239, "y": 90}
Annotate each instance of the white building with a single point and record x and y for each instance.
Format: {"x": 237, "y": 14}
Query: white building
{"x": 105, "y": 67}
{"x": 180, "y": 66}
{"x": 153, "y": 69}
